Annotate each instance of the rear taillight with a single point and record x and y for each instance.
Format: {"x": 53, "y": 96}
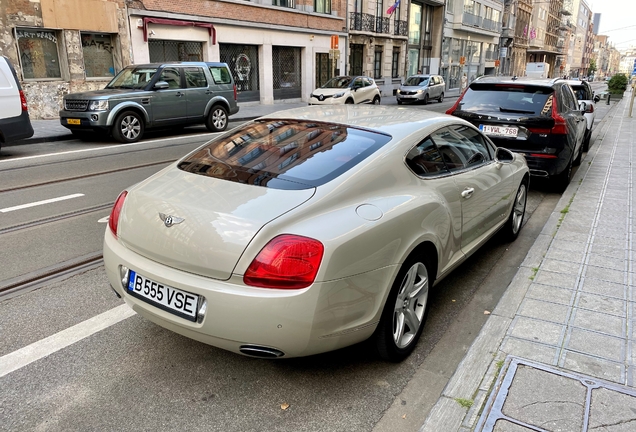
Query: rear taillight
{"x": 235, "y": 93}
{"x": 286, "y": 262}
{"x": 560, "y": 126}
{"x": 23, "y": 101}
{"x": 113, "y": 220}
{"x": 590, "y": 109}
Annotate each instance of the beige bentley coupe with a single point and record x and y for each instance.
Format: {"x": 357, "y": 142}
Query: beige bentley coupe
{"x": 312, "y": 229}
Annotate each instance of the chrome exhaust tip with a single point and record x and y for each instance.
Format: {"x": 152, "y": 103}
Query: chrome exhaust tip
{"x": 539, "y": 173}
{"x": 261, "y": 351}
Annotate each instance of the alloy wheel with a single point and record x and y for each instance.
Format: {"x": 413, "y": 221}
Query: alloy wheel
{"x": 410, "y": 305}
{"x": 219, "y": 119}
{"x": 519, "y": 209}
{"x": 130, "y": 127}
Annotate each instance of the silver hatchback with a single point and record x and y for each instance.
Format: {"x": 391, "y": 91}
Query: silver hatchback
{"x": 421, "y": 88}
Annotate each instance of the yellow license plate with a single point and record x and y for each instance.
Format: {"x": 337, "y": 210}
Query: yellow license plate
{"x": 73, "y": 121}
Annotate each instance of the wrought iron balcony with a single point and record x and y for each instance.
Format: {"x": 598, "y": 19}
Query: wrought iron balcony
{"x": 400, "y": 28}
{"x": 367, "y": 22}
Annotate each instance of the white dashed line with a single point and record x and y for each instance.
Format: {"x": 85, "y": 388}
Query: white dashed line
{"x": 37, "y": 203}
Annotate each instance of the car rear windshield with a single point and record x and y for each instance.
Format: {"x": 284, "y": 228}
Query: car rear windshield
{"x": 416, "y": 81}
{"x": 284, "y": 154}
{"x": 503, "y": 98}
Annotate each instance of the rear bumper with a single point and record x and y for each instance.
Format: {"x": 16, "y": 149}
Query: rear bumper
{"x": 16, "y": 128}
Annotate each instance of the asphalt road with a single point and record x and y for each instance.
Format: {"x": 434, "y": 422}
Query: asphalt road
{"x": 134, "y": 375}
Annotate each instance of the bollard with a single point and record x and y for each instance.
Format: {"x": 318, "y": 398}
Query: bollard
{"x": 609, "y": 96}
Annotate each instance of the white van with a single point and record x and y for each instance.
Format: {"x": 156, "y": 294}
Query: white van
{"x": 14, "y": 114}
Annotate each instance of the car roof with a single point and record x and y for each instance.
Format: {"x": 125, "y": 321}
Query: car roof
{"x": 396, "y": 121}
{"x": 175, "y": 63}
{"x": 547, "y": 82}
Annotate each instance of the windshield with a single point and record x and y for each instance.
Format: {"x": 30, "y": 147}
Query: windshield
{"x": 518, "y": 99}
{"x": 284, "y": 154}
{"x": 132, "y": 78}
{"x": 338, "y": 82}
{"x": 416, "y": 81}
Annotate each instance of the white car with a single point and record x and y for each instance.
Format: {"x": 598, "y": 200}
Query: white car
{"x": 346, "y": 90}
{"x": 312, "y": 229}
{"x": 584, "y": 93}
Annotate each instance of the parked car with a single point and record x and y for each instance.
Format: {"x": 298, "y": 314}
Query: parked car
{"x": 155, "y": 95}
{"x": 421, "y": 88}
{"x": 584, "y": 93}
{"x": 15, "y": 123}
{"x": 346, "y": 90}
{"x": 312, "y": 229}
{"x": 540, "y": 118}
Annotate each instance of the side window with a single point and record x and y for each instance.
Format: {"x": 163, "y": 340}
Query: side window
{"x": 568, "y": 98}
{"x": 195, "y": 77}
{"x": 425, "y": 159}
{"x": 588, "y": 91}
{"x": 220, "y": 75}
{"x": 357, "y": 83}
{"x": 172, "y": 76}
{"x": 457, "y": 150}
{"x": 481, "y": 152}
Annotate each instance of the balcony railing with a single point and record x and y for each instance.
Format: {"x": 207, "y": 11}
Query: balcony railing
{"x": 472, "y": 20}
{"x": 490, "y": 55}
{"x": 367, "y": 22}
{"x": 492, "y": 25}
{"x": 400, "y": 28}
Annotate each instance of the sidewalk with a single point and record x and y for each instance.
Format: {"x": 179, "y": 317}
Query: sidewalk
{"x": 558, "y": 352}
{"x": 52, "y": 130}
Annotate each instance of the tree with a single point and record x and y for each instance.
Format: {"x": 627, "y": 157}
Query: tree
{"x": 592, "y": 69}
{"x": 618, "y": 84}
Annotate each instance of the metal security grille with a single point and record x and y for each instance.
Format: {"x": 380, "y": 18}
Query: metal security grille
{"x": 167, "y": 51}
{"x": 287, "y": 72}
{"x": 323, "y": 69}
{"x": 243, "y": 63}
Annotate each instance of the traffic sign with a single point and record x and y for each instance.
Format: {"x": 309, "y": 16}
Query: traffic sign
{"x": 497, "y": 63}
{"x": 462, "y": 60}
{"x": 334, "y": 42}
{"x": 334, "y": 54}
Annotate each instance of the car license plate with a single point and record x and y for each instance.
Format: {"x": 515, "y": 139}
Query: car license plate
{"x": 73, "y": 121}
{"x": 499, "y": 130}
{"x": 173, "y": 300}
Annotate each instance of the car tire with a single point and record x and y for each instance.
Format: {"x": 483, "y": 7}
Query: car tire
{"x": 515, "y": 219}
{"x": 441, "y": 98}
{"x": 376, "y": 100}
{"x": 405, "y": 307}
{"x": 399, "y": 102}
{"x": 577, "y": 160}
{"x": 425, "y": 100}
{"x": 562, "y": 180}
{"x": 217, "y": 119}
{"x": 128, "y": 127}
{"x": 586, "y": 141}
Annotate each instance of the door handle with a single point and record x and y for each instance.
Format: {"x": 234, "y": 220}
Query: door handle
{"x": 209, "y": 92}
{"x": 178, "y": 94}
{"x": 468, "y": 192}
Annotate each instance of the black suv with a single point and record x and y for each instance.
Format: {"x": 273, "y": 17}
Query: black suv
{"x": 540, "y": 119}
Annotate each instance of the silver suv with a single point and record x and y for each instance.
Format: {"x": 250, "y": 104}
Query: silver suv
{"x": 421, "y": 88}
{"x": 155, "y": 95}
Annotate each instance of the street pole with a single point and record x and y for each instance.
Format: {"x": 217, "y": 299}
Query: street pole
{"x": 631, "y": 103}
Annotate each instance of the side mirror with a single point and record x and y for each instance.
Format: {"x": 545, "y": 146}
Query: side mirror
{"x": 597, "y": 98}
{"x": 503, "y": 155}
{"x": 161, "y": 85}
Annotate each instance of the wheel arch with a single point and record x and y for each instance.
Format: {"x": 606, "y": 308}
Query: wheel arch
{"x": 217, "y": 100}
{"x": 128, "y": 107}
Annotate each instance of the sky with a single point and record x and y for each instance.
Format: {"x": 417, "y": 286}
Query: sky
{"x": 616, "y": 14}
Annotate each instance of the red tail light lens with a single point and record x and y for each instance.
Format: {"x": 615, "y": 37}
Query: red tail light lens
{"x": 235, "y": 93}
{"x": 23, "y": 101}
{"x": 286, "y": 262}
{"x": 113, "y": 220}
{"x": 560, "y": 126}
{"x": 590, "y": 108}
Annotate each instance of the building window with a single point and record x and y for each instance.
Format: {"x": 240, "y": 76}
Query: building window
{"x": 287, "y": 72}
{"x": 377, "y": 63}
{"x": 169, "y": 50}
{"x": 284, "y": 3}
{"x": 415, "y": 24}
{"x": 98, "y": 55}
{"x": 322, "y": 6}
{"x": 469, "y": 6}
{"x": 395, "y": 62}
{"x": 39, "y": 56}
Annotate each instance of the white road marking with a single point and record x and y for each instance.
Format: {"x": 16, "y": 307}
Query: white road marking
{"x": 107, "y": 148}
{"x": 18, "y": 359}
{"x": 37, "y": 203}
{"x": 104, "y": 219}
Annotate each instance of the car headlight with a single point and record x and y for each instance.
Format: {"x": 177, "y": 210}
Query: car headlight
{"x": 420, "y": 91}
{"x": 98, "y": 105}
{"x": 399, "y": 91}
{"x": 339, "y": 95}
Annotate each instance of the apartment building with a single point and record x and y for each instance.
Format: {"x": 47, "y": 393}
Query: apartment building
{"x": 546, "y": 40}
{"x": 56, "y": 52}
{"x": 515, "y": 36}
{"x": 471, "y": 39}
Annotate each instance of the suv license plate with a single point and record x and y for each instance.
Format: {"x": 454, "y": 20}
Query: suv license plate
{"x": 499, "y": 130}
{"x": 73, "y": 121}
{"x": 180, "y": 303}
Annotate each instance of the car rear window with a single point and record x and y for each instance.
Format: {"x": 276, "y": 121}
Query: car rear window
{"x": 514, "y": 98}
{"x": 284, "y": 154}
{"x": 220, "y": 75}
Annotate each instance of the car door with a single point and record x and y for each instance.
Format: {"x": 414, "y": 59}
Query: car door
{"x": 485, "y": 186}
{"x": 169, "y": 105}
{"x": 197, "y": 91}
{"x": 434, "y": 88}
{"x": 357, "y": 88}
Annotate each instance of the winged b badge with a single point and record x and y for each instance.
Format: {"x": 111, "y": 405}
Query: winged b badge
{"x": 169, "y": 220}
